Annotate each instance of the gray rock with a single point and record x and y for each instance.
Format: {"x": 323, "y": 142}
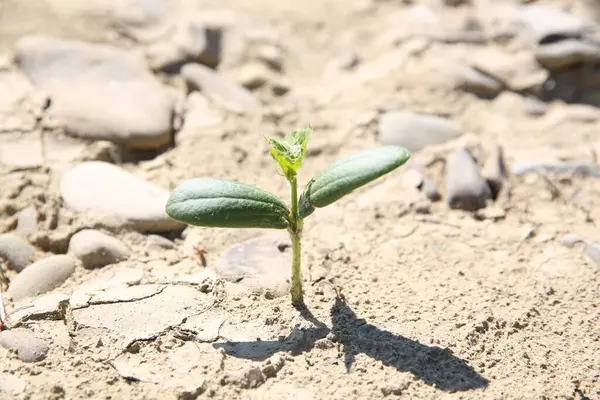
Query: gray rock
{"x": 430, "y": 190}
{"x": 84, "y": 78}
{"x": 534, "y": 106}
{"x": 105, "y": 189}
{"x": 417, "y": 178}
{"x": 27, "y": 346}
{"x": 42, "y": 276}
{"x": 96, "y": 249}
{"x": 160, "y": 242}
{"x": 545, "y": 22}
{"x": 254, "y": 75}
{"x": 263, "y": 263}
{"x": 518, "y": 72}
{"x": 466, "y": 189}
{"x": 16, "y": 251}
{"x": 220, "y": 89}
{"x": 272, "y": 56}
{"x": 192, "y": 41}
{"x": 476, "y": 82}
{"x": 563, "y": 54}
{"x": 584, "y": 168}
{"x": 571, "y": 239}
{"x": 415, "y": 131}
{"x": 27, "y": 222}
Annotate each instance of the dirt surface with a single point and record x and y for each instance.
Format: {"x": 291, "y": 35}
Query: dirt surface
{"x": 405, "y": 297}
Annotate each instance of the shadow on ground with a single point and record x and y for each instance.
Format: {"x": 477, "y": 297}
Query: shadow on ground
{"x": 432, "y": 365}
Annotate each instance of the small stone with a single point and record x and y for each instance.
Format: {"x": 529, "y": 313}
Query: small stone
{"x": 227, "y": 93}
{"x": 27, "y": 222}
{"x": 83, "y": 78}
{"x": 16, "y": 251}
{"x": 254, "y": 76}
{"x": 105, "y": 189}
{"x": 465, "y": 187}
{"x": 192, "y": 41}
{"x": 518, "y": 72}
{"x": 160, "y": 242}
{"x": 416, "y": 177}
{"x": 571, "y": 239}
{"x": 582, "y": 168}
{"x": 547, "y": 23}
{"x": 27, "y": 346}
{"x": 473, "y": 81}
{"x": 258, "y": 262}
{"x": 534, "y": 106}
{"x": 415, "y": 131}
{"x": 271, "y": 55}
{"x": 566, "y": 53}
{"x": 42, "y": 276}
{"x": 96, "y": 249}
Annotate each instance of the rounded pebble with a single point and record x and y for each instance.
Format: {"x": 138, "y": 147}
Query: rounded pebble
{"x": 16, "y": 251}
{"x": 466, "y": 189}
{"x": 28, "y": 347}
{"x": 42, "y": 276}
{"x": 96, "y": 249}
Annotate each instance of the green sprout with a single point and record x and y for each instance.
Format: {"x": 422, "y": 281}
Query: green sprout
{"x": 213, "y": 202}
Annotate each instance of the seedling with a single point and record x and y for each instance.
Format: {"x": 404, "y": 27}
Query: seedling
{"x": 213, "y": 202}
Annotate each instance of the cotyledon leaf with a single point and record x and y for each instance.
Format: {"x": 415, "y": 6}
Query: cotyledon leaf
{"x": 213, "y": 202}
{"x": 349, "y": 173}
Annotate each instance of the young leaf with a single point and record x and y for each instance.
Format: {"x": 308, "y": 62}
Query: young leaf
{"x": 349, "y": 173}
{"x": 223, "y": 203}
{"x": 289, "y": 151}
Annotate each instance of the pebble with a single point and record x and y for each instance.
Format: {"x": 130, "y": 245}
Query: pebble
{"x": 566, "y": 53}
{"x": 466, "y": 189}
{"x": 417, "y": 178}
{"x": 96, "y": 249}
{"x": 473, "y": 81}
{"x": 254, "y": 75}
{"x": 192, "y": 41}
{"x": 16, "y": 251}
{"x": 42, "y": 276}
{"x": 27, "y": 346}
{"x": 230, "y": 95}
{"x": 534, "y": 106}
{"x": 272, "y": 56}
{"x": 258, "y": 263}
{"x": 585, "y": 168}
{"x": 546, "y": 23}
{"x": 102, "y": 188}
{"x": 82, "y": 78}
{"x": 571, "y": 239}
{"x": 27, "y": 222}
{"x": 518, "y": 72}
{"x": 415, "y": 131}
{"x": 160, "y": 242}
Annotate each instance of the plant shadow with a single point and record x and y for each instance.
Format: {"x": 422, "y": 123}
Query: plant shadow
{"x": 433, "y": 365}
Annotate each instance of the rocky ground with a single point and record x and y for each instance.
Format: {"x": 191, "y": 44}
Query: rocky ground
{"x": 471, "y": 272}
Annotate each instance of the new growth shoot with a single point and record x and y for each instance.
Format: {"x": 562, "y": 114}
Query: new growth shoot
{"x": 214, "y": 202}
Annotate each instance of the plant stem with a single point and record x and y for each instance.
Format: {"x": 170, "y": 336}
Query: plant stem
{"x": 296, "y": 235}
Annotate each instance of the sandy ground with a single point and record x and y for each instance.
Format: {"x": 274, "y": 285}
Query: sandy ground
{"x": 435, "y": 303}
